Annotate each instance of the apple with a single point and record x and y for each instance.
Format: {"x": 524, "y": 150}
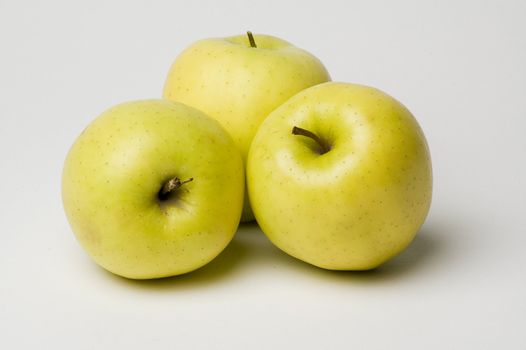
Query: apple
{"x": 340, "y": 177}
{"x": 239, "y": 80}
{"x": 153, "y": 189}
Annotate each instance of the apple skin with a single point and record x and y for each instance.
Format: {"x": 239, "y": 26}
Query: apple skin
{"x": 240, "y": 85}
{"x": 357, "y": 205}
{"x": 114, "y": 171}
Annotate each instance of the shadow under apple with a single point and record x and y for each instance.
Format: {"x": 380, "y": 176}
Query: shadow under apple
{"x": 250, "y": 249}
{"x": 218, "y": 269}
{"x": 428, "y": 247}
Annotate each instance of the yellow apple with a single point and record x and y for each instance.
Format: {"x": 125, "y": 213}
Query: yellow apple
{"x": 239, "y": 83}
{"x": 153, "y": 189}
{"x": 340, "y": 177}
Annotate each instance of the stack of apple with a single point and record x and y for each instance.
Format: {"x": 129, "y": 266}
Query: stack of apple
{"x": 337, "y": 175}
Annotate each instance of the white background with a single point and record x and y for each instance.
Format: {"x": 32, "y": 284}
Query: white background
{"x": 460, "y": 66}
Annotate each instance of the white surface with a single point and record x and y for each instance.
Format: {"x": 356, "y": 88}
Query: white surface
{"x": 459, "y": 66}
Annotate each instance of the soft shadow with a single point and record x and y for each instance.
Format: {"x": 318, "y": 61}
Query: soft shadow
{"x": 250, "y": 249}
{"x": 427, "y": 249}
{"x": 221, "y": 268}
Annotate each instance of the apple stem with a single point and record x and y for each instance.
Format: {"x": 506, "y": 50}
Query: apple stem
{"x": 251, "y": 39}
{"x": 171, "y": 186}
{"x": 300, "y": 131}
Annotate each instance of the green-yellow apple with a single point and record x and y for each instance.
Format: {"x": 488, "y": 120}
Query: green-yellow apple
{"x": 340, "y": 176}
{"x": 153, "y": 189}
{"x": 239, "y": 80}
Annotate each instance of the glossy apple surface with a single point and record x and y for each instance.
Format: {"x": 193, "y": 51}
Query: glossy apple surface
{"x": 355, "y": 197}
{"x": 113, "y": 181}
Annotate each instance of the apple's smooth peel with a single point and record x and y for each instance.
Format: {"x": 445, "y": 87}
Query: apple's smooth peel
{"x": 153, "y": 189}
{"x": 239, "y": 80}
{"x": 340, "y": 177}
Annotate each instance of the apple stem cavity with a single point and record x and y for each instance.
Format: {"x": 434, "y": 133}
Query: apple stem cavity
{"x": 251, "y": 39}
{"x": 171, "y": 186}
{"x": 324, "y": 147}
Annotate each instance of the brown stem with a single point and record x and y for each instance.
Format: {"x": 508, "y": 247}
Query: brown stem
{"x": 323, "y": 145}
{"x": 251, "y": 39}
{"x": 171, "y": 186}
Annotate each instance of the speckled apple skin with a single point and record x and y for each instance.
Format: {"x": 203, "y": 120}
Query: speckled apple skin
{"x": 115, "y": 169}
{"x": 356, "y": 206}
{"x": 240, "y": 85}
